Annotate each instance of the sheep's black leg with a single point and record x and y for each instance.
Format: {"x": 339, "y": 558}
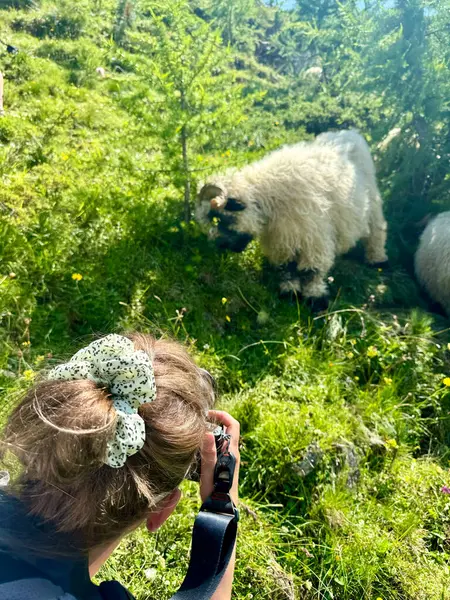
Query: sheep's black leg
{"x": 294, "y": 282}
{"x": 289, "y": 279}
{"x": 308, "y": 279}
{"x": 307, "y": 276}
{"x": 318, "y": 304}
{"x": 315, "y": 290}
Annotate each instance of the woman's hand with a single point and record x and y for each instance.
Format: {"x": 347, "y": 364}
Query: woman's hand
{"x": 209, "y": 459}
{"x": 209, "y": 454}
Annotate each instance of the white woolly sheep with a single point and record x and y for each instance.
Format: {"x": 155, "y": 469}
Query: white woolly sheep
{"x": 307, "y": 203}
{"x": 432, "y": 260}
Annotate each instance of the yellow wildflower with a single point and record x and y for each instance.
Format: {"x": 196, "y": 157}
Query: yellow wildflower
{"x": 392, "y": 443}
{"x": 387, "y": 380}
{"x": 372, "y": 351}
{"x": 64, "y": 156}
{"x": 380, "y": 270}
{"x": 227, "y": 318}
{"x": 350, "y": 355}
{"x": 356, "y": 378}
{"x": 446, "y": 381}
{"x": 448, "y": 345}
{"x": 39, "y": 359}
{"x": 224, "y": 300}
{"x": 215, "y": 221}
{"x": 353, "y": 342}
{"x": 77, "y": 276}
{"x": 29, "y": 374}
{"x": 26, "y": 344}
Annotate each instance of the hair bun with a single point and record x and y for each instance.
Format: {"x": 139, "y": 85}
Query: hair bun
{"x": 76, "y": 422}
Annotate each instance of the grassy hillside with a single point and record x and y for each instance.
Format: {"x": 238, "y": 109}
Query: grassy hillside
{"x": 345, "y": 415}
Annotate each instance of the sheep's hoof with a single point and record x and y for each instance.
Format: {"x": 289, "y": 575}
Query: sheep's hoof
{"x": 318, "y": 304}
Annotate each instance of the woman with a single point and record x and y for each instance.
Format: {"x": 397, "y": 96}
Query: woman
{"x": 103, "y": 444}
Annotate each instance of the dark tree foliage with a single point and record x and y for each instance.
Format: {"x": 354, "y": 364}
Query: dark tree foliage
{"x": 379, "y": 66}
{"x": 124, "y": 19}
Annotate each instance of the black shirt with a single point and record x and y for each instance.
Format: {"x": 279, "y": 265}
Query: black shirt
{"x": 31, "y": 549}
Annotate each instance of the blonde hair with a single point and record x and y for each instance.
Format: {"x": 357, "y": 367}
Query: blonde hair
{"x": 60, "y": 430}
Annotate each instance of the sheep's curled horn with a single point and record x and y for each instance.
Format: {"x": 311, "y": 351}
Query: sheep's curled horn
{"x": 214, "y": 194}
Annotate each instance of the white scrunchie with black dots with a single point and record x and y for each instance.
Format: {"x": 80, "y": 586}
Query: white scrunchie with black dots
{"x": 128, "y": 375}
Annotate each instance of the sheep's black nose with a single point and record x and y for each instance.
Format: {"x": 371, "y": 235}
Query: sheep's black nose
{"x": 223, "y": 243}
{"x": 236, "y": 242}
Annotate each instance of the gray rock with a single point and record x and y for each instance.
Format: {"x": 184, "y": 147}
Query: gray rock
{"x": 8, "y": 374}
{"x": 4, "y": 478}
{"x": 313, "y": 456}
{"x": 284, "y": 588}
{"x": 350, "y": 455}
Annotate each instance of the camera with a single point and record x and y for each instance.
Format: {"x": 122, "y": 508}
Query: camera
{"x": 221, "y": 439}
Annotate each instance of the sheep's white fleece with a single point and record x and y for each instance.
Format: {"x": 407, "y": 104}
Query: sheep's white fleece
{"x": 432, "y": 260}
{"x": 310, "y": 202}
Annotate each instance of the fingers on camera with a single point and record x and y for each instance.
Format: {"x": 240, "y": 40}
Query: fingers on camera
{"x": 208, "y": 451}
{"x": 224, "y": 418}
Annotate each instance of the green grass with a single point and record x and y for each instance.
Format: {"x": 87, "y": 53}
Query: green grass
{"x": 345, "y": 416}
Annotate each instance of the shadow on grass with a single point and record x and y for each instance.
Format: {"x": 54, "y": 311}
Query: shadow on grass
{"x": 166, "y": 278}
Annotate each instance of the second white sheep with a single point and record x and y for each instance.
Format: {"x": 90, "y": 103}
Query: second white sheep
{"x": 432, "y": 260}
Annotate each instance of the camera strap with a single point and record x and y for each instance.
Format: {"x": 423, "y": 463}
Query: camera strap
{"x": 214, "y": 534}
{"x": 213, "y": 542}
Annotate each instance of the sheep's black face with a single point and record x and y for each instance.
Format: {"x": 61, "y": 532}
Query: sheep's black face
{"x": 234, "y": 241}
{"x": 229, "y": 239}
{"x": 223, "y": 220}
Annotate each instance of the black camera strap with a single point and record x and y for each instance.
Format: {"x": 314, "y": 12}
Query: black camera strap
{"x": 214, "y": 534}
{"x": 213, "y": 542}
